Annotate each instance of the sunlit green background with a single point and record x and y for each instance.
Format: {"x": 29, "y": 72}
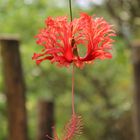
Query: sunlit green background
{"x": 104, "y": 90}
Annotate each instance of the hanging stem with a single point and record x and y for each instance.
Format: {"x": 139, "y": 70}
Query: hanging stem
{"x": 73, "y": 108}
{"x": 70, "y": 10}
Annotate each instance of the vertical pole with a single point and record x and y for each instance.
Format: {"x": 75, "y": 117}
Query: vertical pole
{"x": 14, "y": 88}
{"x": 136, "y": 69}
{"x": 45, "y": 119}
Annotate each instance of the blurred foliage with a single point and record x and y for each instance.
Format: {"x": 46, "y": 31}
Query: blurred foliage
{"x": 103, "y": 90}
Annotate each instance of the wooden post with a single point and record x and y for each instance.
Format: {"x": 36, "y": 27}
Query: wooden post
{"x": 45, "y": 119}
{"x": 14, "y": 88}
{"x": 136, "y": 68}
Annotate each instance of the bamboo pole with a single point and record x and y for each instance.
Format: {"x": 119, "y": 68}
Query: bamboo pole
{"x": 14, "y": 88}
{"x": 136, "y": 69}
{"x": 45, "y": 119}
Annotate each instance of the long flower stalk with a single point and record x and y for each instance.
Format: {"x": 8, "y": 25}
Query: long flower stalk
{"x": 73, "y": 108}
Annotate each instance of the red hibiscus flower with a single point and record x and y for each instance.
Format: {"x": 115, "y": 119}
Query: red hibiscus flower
{"x": 61, "y": 40}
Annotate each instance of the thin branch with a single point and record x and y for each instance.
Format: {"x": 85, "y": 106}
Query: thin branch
{"x": 70, "y": 7}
